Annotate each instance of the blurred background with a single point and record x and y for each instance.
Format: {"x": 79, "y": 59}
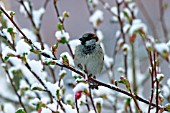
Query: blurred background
{"x": 78, "y": 23}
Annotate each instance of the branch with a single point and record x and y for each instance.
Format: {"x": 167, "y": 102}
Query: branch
{"x": 62, "y": 22}
{"x": 165, "y": 31}
{"x": 123, "y": 35}
{"x": 148, "y": 18}
{"x": 77, "y": 71}
{"x": 13, "y": 86}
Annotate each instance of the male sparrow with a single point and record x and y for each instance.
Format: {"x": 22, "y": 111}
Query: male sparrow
{"x": 89, "y": 55}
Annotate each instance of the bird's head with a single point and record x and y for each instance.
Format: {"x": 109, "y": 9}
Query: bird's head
{"x": 88, "y": 39}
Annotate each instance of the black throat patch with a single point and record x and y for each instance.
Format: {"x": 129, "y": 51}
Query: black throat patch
{"x": 89, "y": 49}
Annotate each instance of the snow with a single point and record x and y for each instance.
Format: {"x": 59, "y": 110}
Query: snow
{"x": 168, "y": 82}
{"x": 37, "y": 15}
{"x": 160, "y": 76}
{"x": 98, "y": 100}
{"x": 125, "y": 48}
{"x": 62, "y": 72}
{"x": 120, "y": 42}
{"x": 45, "y": 99}
{"x": 114, "y": 10}
{"x": 73, "y": 44}
{"x": 52, "y": 106}
{"x": 148, "y": 44}
{"x": 69, "y": 97}
{"x": 151, "y": 39}
{"x": 6, "y": 33}
{"x": 7, "y": 106}
{"x": 37, "y": 44}
{"x": 93, "y": 2}
{"x": 22, "y": 10}
{"x": 69, "y": 109}
{"x": 69, "y": 57}
{"x": 126, "y": 28}
{"x": 128, "y": 12}
{"x": 161, "y": 48}
{"x": 34, "y": 101}
{"x": 137, "y": 25}
{"x": 36, "y": 66}
{"x": 46, "y": 51}
{"x": 7, "y": 51}
{"x": 36, "y": 85}
{"x": 91, "y": 111}
{"x": 108, "y": 61}
{"x": 133, "y": 8}
{"x": 106, "y": 5}
{"x": 62, "y": 34}
{"x": 46, "y": 110}
{"x": 80, "y": 87}
{"x": 165, "y": 91}
{"x": 22, "y": 47}
{"x": 118, "y": 33}
{"x": 30, "y": 34}
{"x": 96, "y": 18}
{"x": 52, "y": 87}
{"x": 103, "y": 91}
{"x": 23, "y": 84}
{"x": 121, "y": 70}
{"x": 99, "y": 35}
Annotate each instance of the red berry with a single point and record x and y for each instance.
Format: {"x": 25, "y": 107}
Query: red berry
{"x": 39, "y": 110}
{"x": 18, "y": 56}
{"x": 78, "y": 95}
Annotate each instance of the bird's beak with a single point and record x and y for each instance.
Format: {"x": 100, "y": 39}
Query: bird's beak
{"x": 81, "y": 39}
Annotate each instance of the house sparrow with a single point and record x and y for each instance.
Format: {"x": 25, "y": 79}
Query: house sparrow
{"x": 89, "y": 55}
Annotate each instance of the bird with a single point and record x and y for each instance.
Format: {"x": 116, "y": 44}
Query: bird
{"x": 89, "y": 56}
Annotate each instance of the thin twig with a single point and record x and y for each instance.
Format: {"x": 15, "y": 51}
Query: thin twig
{"x": 156, "y": 80}
{"x": 165, "y": 31}
{"x": 77, "y": 108}
{"x": 123, "y": 35}
{"x": 15, "y": 90}
{"x": 33, "y": 24}
{"x": 62, "y": 22}
{"x": 77, "y": 71}
{"x": 148, "y": 18}
{"x": 152, "y": 80}
{"x": 90, "y": 96}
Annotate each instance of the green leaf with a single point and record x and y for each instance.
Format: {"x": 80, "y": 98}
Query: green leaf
{"x": 60, "y": 26}
{"x": 10, "y": 30}
{"x": 20, "y": 111}
{"x": 165, "y": 6}
{"x": 65, "y": 14}
{"x": 58, "y": 94}
{"x": 39, "y": 105}
{"x": 167, "y": 107}
{"x": 63, "y": 40}
{"x": 37, "y": 88}
{"x": 128, "y": 100}
{"x": 0, "y": 12}
{"x": 6, "y": 58}
{"x": 99, "y": 107}
{"x": 17, "y": 77}
{"x": 12, "y": 13}
{"x": 65, "y": 60}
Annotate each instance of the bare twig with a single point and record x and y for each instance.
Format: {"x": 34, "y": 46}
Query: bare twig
{"x": 15, "y": 90}
{"x": 123, "y": 35}
{"x": 165, "y": 31}
{"x": 152, "y": 80}
{"x": 33, "y": 24}
{"x": 77, "y": 71}
{"x": 77, "y": 108}
{"x": 148, "y": 18}
{"x": 62, "y": 22}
